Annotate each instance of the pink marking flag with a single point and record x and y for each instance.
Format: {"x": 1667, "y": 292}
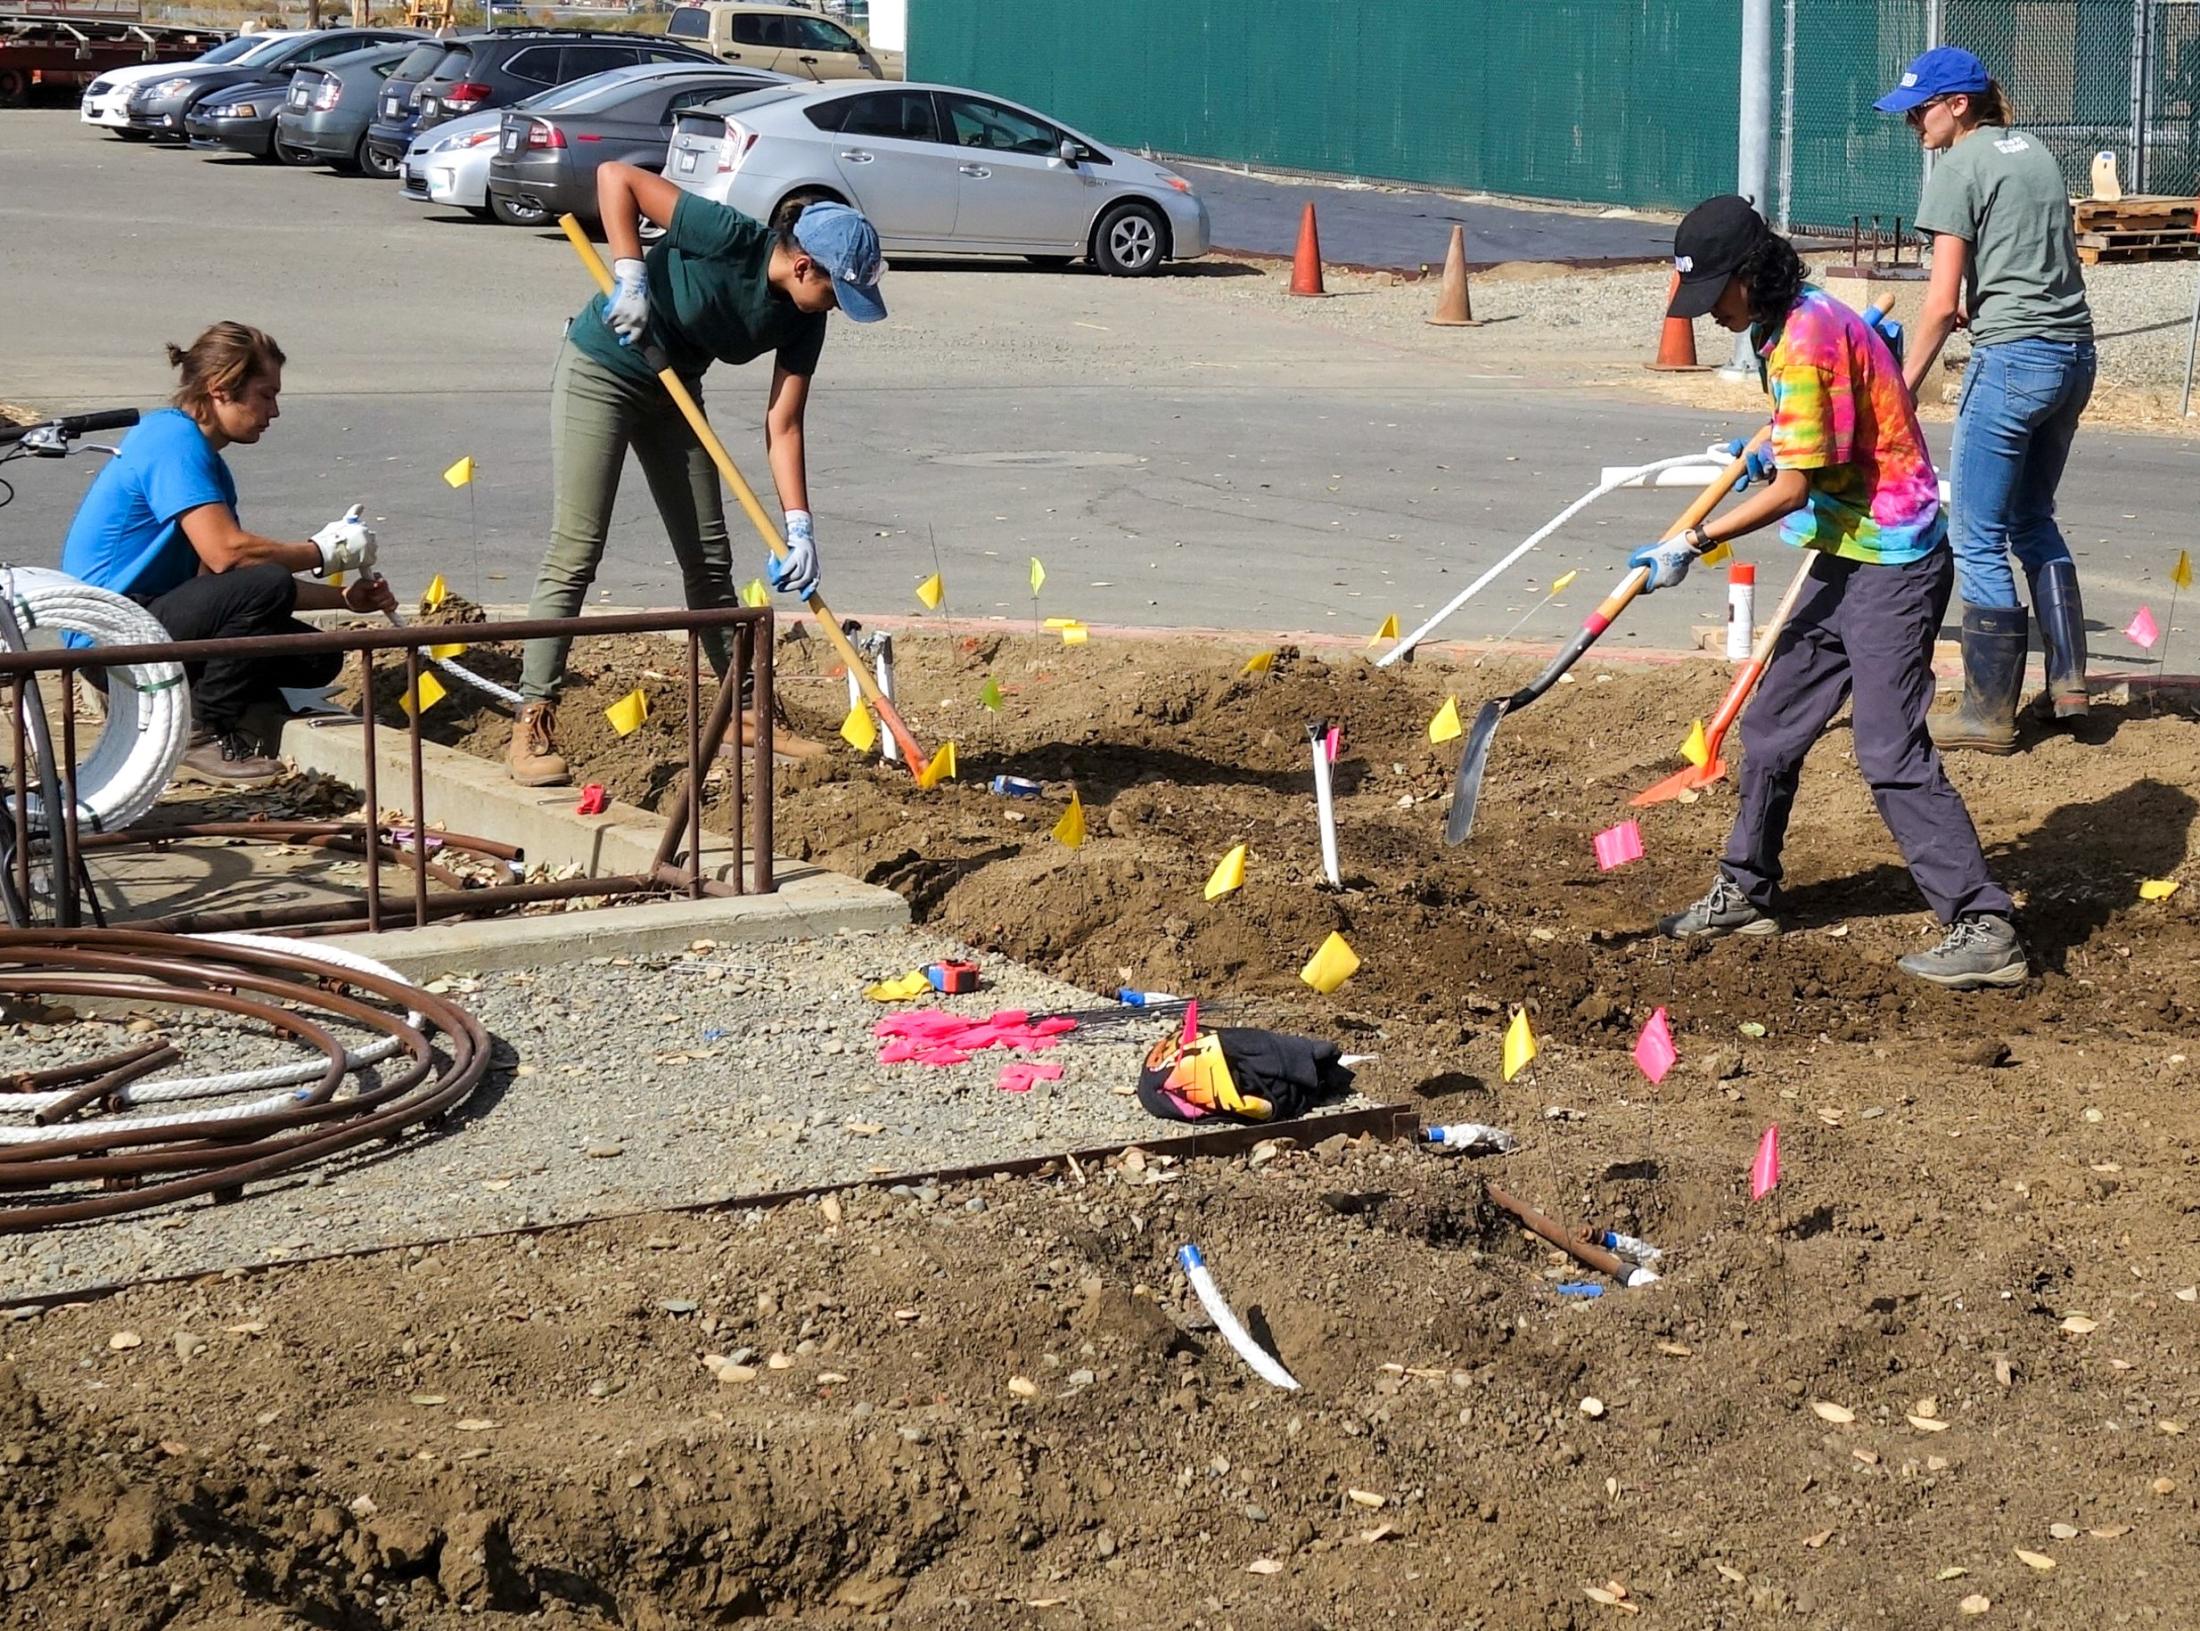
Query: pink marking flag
{"x": 1654, "y": 1050}
{"x": 1335, "y": 743}
{"x": 1191, "y": 1022}
{"x": 1764, "y": 1172}
{"x": 2141, "y": 631}
{"x": 1616, "y": 846}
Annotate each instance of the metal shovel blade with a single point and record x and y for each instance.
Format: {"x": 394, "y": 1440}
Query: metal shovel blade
{"x": 1466, "y": 787}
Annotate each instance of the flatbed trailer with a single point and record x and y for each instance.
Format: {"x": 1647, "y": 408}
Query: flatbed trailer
{"x": 43, "y": 42}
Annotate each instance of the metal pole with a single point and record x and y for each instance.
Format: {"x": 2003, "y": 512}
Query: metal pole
{"x": 2135, "y": 172}
{"x": 1787, "y": 116}
{"x": 1754, "y": 177}
{"x": 1932, "y": 40}
{"x": 2192, "y": 346}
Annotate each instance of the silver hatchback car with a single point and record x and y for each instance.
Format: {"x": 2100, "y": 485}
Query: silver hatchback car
{"x": 940, "y": 171}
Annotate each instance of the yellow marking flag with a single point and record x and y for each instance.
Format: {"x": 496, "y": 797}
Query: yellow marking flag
{"x": 460, "y": 473}
{"x": 1445, "y": 726}
{"x": 1717, "y": 555}
{"x": 858, "y": 729}
{"x": 446, "y": 653}
{"x": 1229, "y": 875}
{"x": 2158, "y": 889}
{"x": 932, "y": 591}
{"x": 1565, "y": 581}
{"x": 1070, "y": 830}
{"x": 939, "y": 767}
{"x": 1332, "y": 964}
{"x": 1076, "y": 635}
{"x": 989, "y": 696}
{"x": 431, "y": 693}
{"x": 2181, "y": 573}
{"x": 755, "y": 594}
{"x": 626, "y": 715}
{"x": 899, "y": 989}
{"x": 1519, "y": 1044}
{"x": 436, "y": 593}
{"x": 1389, "y": 630}
{"x": 1038, "y": 575}
{"x": 1697, "y": 749}
{"x": 1259, "y": 663}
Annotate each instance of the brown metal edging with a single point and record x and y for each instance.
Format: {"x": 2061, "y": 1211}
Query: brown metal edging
{"x": 1392, "y": 1123}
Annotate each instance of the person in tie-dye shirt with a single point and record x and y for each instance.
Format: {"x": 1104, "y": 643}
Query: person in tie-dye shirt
{"x": 1848, "y": 477}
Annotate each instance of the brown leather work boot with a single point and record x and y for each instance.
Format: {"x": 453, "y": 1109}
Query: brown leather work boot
{"x": 226, "y": 759}
{"x": 785, "y": 743}
{"x": 533, "y": 758}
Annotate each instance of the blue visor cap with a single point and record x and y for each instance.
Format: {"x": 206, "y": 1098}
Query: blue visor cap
{"x": 1946, "y": 70}
{"x": 846, "y": 245}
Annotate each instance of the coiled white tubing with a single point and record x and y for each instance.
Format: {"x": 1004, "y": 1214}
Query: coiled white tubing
{"x": 236, "y": 1081}
{"x": 148, "y": 704}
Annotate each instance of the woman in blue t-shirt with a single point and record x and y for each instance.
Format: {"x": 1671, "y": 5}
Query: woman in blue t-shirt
{"x": 160, "y": 526}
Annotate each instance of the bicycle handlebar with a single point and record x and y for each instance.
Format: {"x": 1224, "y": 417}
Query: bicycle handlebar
{"x": 72, "y": 425}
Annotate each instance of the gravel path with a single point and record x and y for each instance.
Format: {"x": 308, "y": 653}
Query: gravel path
{"x": 627, "y": 1084}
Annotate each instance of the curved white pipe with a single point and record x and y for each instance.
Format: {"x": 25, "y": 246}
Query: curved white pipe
{"x": 1265, "y": 1364}
{"x": 1612, "y": 481}
{"x": 148, "y": 704}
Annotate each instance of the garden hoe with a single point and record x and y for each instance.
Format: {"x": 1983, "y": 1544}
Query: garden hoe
{"x": 912, "y": 755}
{"x": 1690, "y": 777}
{"x": 1466, "y": 788}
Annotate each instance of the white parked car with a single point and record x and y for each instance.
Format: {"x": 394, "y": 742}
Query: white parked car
{"x": 107, "y": 99}
{"x": 940, "y": 170}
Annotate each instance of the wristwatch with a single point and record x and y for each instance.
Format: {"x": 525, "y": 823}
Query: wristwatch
{"x": 1694, "y": 538}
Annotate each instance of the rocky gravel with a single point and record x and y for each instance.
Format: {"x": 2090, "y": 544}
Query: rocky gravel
{"x": 623, "y": 1085}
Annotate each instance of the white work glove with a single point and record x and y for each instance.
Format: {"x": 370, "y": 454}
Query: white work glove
{"x": 345, "y": 545}
{"x": 1668, "y": 562}
{"x": 626, "y": 308}
{"x": 796, "y": 572}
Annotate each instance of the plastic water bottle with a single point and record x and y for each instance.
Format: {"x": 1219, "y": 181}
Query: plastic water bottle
{"x": 1472, "y": 1138}
{"x": 1143, "y": 999}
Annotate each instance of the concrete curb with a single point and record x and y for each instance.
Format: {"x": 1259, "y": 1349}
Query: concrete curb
{"x": 470, "y": 795}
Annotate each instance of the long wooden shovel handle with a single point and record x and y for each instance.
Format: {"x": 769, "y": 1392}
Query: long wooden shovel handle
{"x": 692, "y": 411}
{"x": 1745, "y": 682}
{"x": 1618, "y": 600}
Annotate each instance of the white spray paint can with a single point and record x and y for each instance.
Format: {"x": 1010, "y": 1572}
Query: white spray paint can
{"x": 1741, "y": 610}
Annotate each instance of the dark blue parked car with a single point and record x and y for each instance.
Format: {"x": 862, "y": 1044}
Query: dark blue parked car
{"x": 397, "y": 108}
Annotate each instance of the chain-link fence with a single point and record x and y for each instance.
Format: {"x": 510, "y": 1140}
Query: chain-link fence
{"x": 2085, "y": 76}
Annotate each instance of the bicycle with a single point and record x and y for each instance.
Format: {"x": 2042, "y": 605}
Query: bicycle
{"x": 29, "y": 874}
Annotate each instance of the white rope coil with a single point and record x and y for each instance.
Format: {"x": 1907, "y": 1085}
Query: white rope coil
{"x": 174, "y": 1089}
{"x": 148, "y": 704}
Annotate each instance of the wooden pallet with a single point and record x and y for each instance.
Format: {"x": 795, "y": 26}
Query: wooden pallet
{"x": 2150, "y": 214}
{"x": 2178, "y": 243}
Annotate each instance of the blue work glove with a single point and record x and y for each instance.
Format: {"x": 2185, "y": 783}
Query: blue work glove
{"x": 1887, "y": 329}
{"x": 1668, "y": 562}
{"x": 626, "y": 307}
{"x": 1761, "y": 467}
{"x": 796, "y": 572}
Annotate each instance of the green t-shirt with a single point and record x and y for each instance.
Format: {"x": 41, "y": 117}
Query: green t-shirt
{"x": 2003, "y": 193}
{"x": 710, "y": 300}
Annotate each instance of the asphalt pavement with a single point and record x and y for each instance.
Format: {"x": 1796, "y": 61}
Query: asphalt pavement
{"x": 1403, "y": 228}
{"x": 1176, "y": 458}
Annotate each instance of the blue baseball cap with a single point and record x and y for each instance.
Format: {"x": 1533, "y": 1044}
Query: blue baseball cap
{"x": 846, "y": 245}
{"x": 1946, "y": 70}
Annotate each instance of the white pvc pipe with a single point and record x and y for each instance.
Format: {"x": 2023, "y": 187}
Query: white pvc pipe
{"x": 1265, "y": 1364}
{"x": 888, "y": 750}
{"x": 1612, "y": 480}
{"x": 1325, "y": 809}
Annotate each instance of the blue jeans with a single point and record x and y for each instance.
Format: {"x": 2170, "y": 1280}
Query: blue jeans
{"x": 2014, "y": 421}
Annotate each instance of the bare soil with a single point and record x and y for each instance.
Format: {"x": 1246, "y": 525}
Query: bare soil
{"x": 1961, "y": 1329}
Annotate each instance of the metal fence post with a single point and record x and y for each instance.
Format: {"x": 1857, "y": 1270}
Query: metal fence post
{"x": 2135, "y": 177}
{"x": 1932, "y": 41}
{"x": 1787, "y": 115}
{"x": 1754, "y": 179}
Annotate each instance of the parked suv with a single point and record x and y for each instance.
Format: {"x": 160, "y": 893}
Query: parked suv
{"x": 785, "y": 39}
{"x": 397, "y": 107}
{"x": 510, "y": 65}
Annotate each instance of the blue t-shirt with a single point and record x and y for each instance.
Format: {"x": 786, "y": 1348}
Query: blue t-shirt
{"x": 128, "y": 532}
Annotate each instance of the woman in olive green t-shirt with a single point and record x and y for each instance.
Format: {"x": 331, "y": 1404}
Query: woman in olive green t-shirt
{"x": 718, "y": 287}
{"x": 2005, "y": 261}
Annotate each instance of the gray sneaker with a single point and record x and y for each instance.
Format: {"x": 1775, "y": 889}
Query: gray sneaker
{"x": 1726, "y": 910}
{"x": 1978, "y": 951}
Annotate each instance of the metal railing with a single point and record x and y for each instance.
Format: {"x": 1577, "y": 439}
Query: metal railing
{"x": 675, "y": 870}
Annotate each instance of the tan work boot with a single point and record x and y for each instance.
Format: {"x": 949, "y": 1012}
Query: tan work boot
{"x": 226, "y": 759}
{"x": 533, "y": 758}
{"x": 785, "y": 743}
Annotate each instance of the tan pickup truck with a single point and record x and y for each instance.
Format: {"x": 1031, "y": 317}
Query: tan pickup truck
{"x": 785, "y": 39}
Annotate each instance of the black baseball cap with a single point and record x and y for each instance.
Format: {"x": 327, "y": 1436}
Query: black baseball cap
{"x": 1709, "y": 246}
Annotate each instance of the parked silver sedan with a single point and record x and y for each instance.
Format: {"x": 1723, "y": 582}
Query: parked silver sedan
{"x": 940, "y": 170}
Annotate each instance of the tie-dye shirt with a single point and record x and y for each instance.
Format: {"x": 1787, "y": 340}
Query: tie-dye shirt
{"x": 1842, "y": 416}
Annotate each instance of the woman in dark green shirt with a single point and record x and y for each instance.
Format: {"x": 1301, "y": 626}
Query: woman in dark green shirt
{"x": 718, "y": 287}
{"x": 2005, "y": 261}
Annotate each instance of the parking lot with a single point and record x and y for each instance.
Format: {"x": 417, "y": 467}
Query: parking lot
{"x": 1149, "y": 439}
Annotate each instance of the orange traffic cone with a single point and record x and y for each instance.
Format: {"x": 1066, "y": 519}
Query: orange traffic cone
{"x": 1306, "y": 265}
{"x": 1453, "y": 308}
{"x": 1677, "y": 340}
